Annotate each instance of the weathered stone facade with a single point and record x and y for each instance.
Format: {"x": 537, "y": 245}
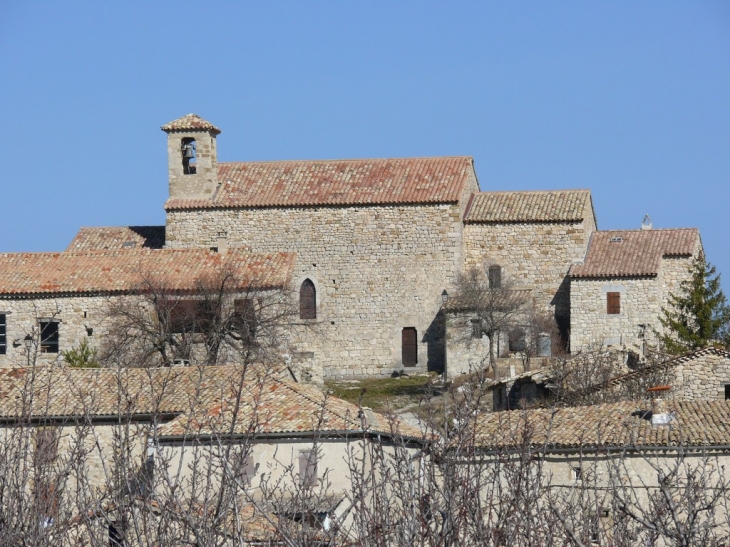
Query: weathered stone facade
{"x": 643, "y": 291}
{"x": 376, "y": 270}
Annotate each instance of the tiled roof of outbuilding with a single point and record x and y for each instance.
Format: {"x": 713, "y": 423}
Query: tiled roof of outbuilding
{"x": 103, "y": 238}
{"x": 336, "y": 182}
{"x": 625, "y": 253}
{"x": 530, "y": 206}
{"x": 190, "y": 122}
{"x": 623, "y": 424}
{"x": 201, "y": 397}
{"x": 124, "y": 270}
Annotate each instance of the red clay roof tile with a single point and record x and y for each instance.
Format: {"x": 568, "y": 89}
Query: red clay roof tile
{"x": 622, "y": 253}
{"x": 336, "y": 182}
{"x": 124, "y": 270}
{"x": 190, "y": 122}
{"x": 531, "y": 206}
{"x": 103, "y": 238}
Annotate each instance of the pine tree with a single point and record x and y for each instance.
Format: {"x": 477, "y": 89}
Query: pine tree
{"x": 698, "y": 314}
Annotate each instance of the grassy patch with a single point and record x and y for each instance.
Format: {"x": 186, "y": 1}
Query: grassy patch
{"x": 382, "y": 394}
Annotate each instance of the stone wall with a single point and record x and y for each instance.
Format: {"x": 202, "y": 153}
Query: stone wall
{"x": 642, "y": 299}
{"x": 532, "y": 255}
{"x": 75, "y": 315}
{"x": 376, "y": 270}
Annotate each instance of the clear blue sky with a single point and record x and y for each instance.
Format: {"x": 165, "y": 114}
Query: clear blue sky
{"x": 630, "y": 99}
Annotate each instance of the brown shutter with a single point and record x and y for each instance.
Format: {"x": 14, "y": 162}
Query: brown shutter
{"x": 613, "y": 303}
{"x": 307, "y": 300}
{"x": 495, "y": 277}
{"x": 409, "y": 344}
{"x": 244, "y": 319}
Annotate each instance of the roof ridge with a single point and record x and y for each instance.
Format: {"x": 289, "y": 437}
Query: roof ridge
{"x": 532, "y": 191}
{"x": 338, "y": 160}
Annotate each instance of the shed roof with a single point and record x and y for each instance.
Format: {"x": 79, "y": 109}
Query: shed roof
{"x": 336, "y": 182}
{"x": 102, "y": 238}
{"x": 529, "y": 206}
{"x": 124, "y": 270}
{"x": 626, "y": 253}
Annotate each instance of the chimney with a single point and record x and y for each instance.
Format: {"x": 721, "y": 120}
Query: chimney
{"x": 660, "y": 414}
{"x": 646, "y": 223}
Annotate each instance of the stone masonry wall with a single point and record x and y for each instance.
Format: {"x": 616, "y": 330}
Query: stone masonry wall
{"x": 74, "y": 314}
{"x": 591, "y": 326}
{"x": 533, "y": 255}
{"x": 376, "y": 270}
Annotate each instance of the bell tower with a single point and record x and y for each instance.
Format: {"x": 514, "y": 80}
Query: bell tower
{"x": 192, "y": 161}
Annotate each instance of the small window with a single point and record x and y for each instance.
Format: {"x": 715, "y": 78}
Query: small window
{"x": 244, "y": 320}
{"x": 249, "y": 469}
{"x": 727, "y": 392}
{"x": 409, "y": 345}
{"x": 576, "y": 473}
{"x": 187, "y": 149}
{"x": 495, "y": 277}
{"x": 613, "y": 303}
{"x": 49, "y": 336}
{"x": 476, "y": 328}
{"x": 307, "y": 300}
{"x": 188, "y": 316}
{"x": 3, "y": 334}
{"x": 308, "y": 468}
{"x": 116, "y": 535}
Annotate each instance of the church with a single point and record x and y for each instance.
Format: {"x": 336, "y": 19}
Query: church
{"x": 369, "y": 247}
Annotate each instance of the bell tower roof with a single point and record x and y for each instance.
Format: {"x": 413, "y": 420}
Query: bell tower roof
{"x": 191, "y": 122}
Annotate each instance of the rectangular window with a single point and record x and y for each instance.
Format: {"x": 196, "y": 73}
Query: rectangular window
{"x": 244, "y": 320}
{"x": 476, "y": 328}
{"x": 613, "y": 303}
{"x": 727, "y": 392}
{"x": 3, "y": 334}
{"x": 308, "y": 468}
{"x": 576, "y": 473}
{"x": 49, "y": 336}
{"x": 188, "y": 316}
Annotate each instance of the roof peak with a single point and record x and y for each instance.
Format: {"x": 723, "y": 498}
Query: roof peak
{"x": 190, "y": 122}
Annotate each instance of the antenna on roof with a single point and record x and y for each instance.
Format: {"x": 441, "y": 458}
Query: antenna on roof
{"x": 646, "y": 223}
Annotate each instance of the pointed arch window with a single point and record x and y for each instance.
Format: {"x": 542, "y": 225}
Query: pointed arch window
{"x": 307, "y": 300}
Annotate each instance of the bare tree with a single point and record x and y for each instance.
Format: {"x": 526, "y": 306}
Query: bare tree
{"x": 487, "y": 303}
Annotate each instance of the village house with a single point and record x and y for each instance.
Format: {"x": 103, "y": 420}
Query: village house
{"x": 609, "y": 469}
{"x": 91, "y": 441}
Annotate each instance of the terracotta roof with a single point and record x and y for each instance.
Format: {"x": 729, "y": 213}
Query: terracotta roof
{"x": 336, "y": 182}
{"x": 190, "y": 122}
{"x": 623, "y": 424}
{"x": 202, "y": 397}
{"x": 122, "y": 271}
{"x": 532, "y": 206}
{"x": 104, "y": 238}
{"x": 282, "y": 407}
{"x": 620, "y": 253}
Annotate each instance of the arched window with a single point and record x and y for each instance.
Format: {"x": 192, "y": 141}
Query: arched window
{"x": 409, "y": 346}
{"x": 495, "y": 277}
{"x": 187, "y": 148}
{"x": 307, "y": 300}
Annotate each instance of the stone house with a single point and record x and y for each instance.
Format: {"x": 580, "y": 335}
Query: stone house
{"x": 618, "y": 291}
{"x": 52, "y": 302}
{"x": 603, "y": 462}
{"x": 93, "y": 440}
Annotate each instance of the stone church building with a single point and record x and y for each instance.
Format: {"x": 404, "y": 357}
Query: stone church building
{"x": 375, "y": 243}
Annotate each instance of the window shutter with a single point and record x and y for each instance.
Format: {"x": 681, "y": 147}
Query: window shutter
{"x": 613, "y": 303}
{"x": 495, "y": 277}
{"x": 307, "y": 300}
{"x": 308, "y": 468}
{"x": 409, "y": 345}
{"x": 245, "y": 319}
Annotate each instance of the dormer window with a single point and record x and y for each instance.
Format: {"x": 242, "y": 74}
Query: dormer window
{"x": 187, "y": 149}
